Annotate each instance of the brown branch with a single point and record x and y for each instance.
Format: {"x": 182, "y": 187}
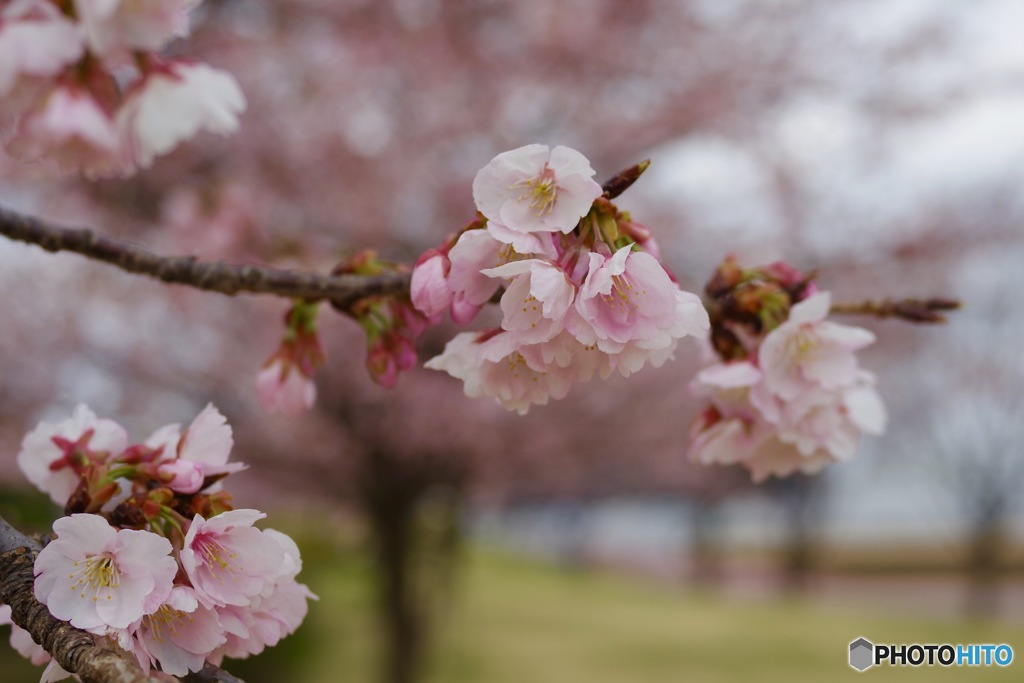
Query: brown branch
{"x": 911, "y": 310}
{"x": 343, "y": 291}
{"x": 215, "y": 276}
{"x": 75, "y": 650}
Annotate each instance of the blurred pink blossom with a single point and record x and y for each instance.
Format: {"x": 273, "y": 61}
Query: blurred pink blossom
{"x": 808, "y": 351}
{"x": 110, "y": 25}
{"x": 36, "y": 43}
{"x": 175, "y": 101}
{"x": 69, "y": 127}
{"x": 283, "y": 388}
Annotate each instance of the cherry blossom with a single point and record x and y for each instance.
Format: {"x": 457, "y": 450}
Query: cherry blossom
{"x": 275, "y": 613}
{"x": 832, "y": 420}
{"x": 492, "y": 364}
{"x": 536, "y": 301}
{"x": 69, "y": 128}
{"x": 808, "y": 351}
{"x": 110, "y": 25}
{"x": 626, "y": 297}
{"x": 474, "y": 252}
{"x": 800, "y": 401}
{"x": 227, "y": 560}
{"x": 174, "y": 102}
{"x": 178, "y": 635}
{"x": 36, "y": 43}
{"x": 51, "y": 468}
{"x": 536, "y": 189}
{"x": 201, "y": 451}
{"x": 102, "y": 579}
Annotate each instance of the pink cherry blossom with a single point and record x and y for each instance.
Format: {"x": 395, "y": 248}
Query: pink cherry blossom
{"x": 474, "y": 252}
{"x": 178, "y": 635}
{"x": 564, "y": 351}
{"x": 101, "y": 579}
{"x": 717, "y": 440}
{"x": 283, "y": 388}
{"x": 36, "y": 43}
{"x": 208, "y": 441}
{"x": 808, "y": 351}
{"x": 833, "y": 420}
{"x": 748, "y": 424}
{"x": 627, "y": 297}
{"x": 274, "y": 614}
{"x": 536, "y": 189}
{"x": 492, "y": 364}
{"x": 429, "y": 288}
{"x": 43, "y": 461}
{"x": 776, "y": 458}
{"x": 173, "y": 103}
{"x": 731, "y": 429}
{"x": 110, "y": 25}
{"x": 202, "y": 451}
{"x": 536, "y": 301}
{"x": 524, "y": 243}
{"x": 69, "y": 127}
{"x": 228, "y": 560}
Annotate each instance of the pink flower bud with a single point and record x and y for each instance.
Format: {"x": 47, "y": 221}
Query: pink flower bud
{"x": 183, "y": 476}
{"x": 430, "y": 291}
{"x": 382, "y": 365}
{"x": 282, "y": 388}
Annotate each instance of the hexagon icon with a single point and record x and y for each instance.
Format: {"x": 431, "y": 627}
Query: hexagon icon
{"x": 862, "y": 654}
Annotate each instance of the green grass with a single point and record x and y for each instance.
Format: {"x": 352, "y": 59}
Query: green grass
{"x": 516, "y": 621}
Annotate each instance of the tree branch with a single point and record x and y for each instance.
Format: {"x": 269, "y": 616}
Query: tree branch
{"x": 75, "y": 650}
{"x": 215, "y": 276}
{"x": 912, "y": 310}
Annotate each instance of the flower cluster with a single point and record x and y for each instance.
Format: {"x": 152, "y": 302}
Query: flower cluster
{"x": 391, "y": 323}
{"x": 82, "y": 86}
{"x": 151, "y": 556}
{"x": 788, "y": 395}
{"x": 582, "y": 291}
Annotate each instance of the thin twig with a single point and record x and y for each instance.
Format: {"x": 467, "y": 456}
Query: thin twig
{"x": 214, "y": 276}
{"x": 911, "y": 310}
{"x": 75, "y": 650}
